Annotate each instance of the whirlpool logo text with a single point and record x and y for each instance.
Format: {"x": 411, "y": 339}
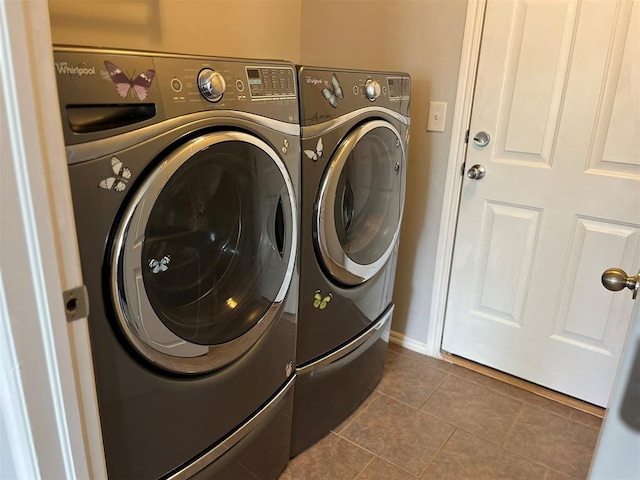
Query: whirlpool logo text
{"x": 63, "y": 68}
{"x": 313, "y": 80}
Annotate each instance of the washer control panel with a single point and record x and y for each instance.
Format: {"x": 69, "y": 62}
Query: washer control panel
{"x": 103, "y": 93}
{"x": 270, "y": 81}
{"x": 224, "y": 83}
{"x": 211, "y": 84}
{"x": 267, "y": 89}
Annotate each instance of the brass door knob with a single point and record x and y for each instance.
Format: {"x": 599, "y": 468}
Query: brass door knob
{"x": 616, "y": 279}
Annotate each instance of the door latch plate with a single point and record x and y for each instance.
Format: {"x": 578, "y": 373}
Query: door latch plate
{"x": 76, "y": 303}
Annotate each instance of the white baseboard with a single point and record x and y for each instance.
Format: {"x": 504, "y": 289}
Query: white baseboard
{"x": 409, "y": 343}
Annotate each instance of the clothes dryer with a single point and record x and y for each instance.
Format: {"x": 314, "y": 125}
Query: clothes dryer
{"x": 354, "y": 136}
{"x": 184, "y": 176}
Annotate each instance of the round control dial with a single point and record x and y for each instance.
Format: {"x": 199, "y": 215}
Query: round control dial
{"x": 371, "y": 89}
{"x": 211, "y": 84}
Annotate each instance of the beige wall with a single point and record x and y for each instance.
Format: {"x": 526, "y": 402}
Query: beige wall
{"x": 423, "y": 38}
{"x": 239, "y": 28}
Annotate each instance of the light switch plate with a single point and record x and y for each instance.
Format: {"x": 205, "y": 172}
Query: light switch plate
{"x": 437, "y": 116}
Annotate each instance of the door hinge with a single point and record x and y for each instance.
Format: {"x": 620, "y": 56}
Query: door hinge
{"x": 466, "y": 137}
{"x": 76, "y": 303}
{"x": 462, "y": 168}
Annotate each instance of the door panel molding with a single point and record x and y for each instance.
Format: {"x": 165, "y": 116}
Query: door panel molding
{"x": 617, "y": 103}
{"x": 550, "y": 55}
{"x": 509, "y": 232}
{"x": 595, "y": 243}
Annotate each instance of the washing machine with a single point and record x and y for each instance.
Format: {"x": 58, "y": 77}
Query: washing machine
{"x": 184, "y": 174}
{"x": 354, "y": 137}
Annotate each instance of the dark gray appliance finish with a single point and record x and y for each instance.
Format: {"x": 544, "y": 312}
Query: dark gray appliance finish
{"x": 257, "y": 449}
{"x": 186, "y": 216}
{"x": 330, "y": 389}
{"x": 355, "y": 129}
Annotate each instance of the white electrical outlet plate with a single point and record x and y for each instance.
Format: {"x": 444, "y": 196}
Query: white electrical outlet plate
{"x": 437, "y": 116}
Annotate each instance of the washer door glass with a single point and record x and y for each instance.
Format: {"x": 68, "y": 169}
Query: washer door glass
{"x": 360, "y": 202}
{"x": 206, "y": 252}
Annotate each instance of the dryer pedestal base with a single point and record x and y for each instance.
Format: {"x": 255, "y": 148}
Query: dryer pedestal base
{"x": 331, "y": 388}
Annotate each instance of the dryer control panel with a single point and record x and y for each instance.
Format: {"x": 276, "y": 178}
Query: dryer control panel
{"x": 327, "y": 94}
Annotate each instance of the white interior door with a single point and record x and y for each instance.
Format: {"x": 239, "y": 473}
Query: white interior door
{"x": 558, "y": 92}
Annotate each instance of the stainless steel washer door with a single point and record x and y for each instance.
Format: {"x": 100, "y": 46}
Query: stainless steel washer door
{"x": 360, "y": 203}
{"x": 205, "y": 253}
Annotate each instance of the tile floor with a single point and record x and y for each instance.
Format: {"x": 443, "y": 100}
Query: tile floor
{"x": 432, "y": 420}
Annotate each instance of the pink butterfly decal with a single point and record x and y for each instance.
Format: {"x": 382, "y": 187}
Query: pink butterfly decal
{"x": 140, "y": 85}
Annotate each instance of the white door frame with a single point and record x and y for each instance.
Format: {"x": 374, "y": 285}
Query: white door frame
{"x": 453, "y": 182}
{"x": 48, "y": 410}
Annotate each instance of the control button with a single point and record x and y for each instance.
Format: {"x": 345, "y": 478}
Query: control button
{"x": 176, "y": 85}
{"x": 371, "y": 89}
{"x": 239, "y": 85}
{"x": 384, "y": 90}
{"x": 211, "y": 84}
{"x": 356, "y": 90}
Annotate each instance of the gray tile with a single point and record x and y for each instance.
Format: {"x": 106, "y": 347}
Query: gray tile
{"x": 409, "y": 380}
{"x": 331, "y": 458}
{"x": 539, "y": 444}
{"x": 425, "y": 359}
{"x": 557, "y": 442}
{"x": 358, "y": 411}
{"x": 473, "y": 408}
{"x": 586, "y": 418}
{"x": 553, "y": 475}
{"x": 400, "y": 434}
{"x": 468, "y": 456}
{"x": 511, "y": 391}
{"x": 378, "y": 469}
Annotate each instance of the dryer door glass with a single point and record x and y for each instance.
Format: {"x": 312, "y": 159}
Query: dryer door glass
{"x": 209, "y": 248}
{"x": 361, "y": 202}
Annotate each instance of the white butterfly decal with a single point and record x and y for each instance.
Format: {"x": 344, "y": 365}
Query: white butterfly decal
{"x": 315, "y": 155}
{"x": 334, "y": 93}
{"x": 159, "y": 265}
{"x": 118, "y": 181}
